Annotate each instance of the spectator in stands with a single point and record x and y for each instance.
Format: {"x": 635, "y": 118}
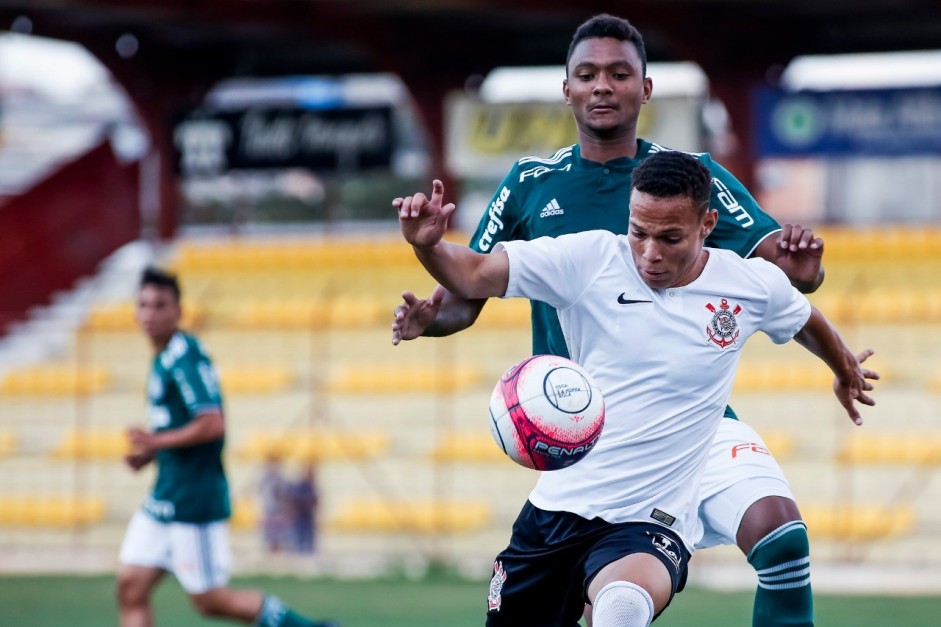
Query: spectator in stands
{"x": 304, "y": 497}
{"x": 276, "y": 511}
{"x": 182, "y": 527}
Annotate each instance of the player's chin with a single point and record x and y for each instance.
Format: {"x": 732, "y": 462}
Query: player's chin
{"x": 603, "y": 125}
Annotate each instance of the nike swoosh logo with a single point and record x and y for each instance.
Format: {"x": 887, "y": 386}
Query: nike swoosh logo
{"x": 628, "y": 301}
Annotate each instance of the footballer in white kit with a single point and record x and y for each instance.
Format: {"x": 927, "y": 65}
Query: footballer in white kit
{"x": 683, "y": 344}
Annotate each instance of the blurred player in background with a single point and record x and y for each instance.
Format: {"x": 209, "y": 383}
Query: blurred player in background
{"x": 745, "y": 498}
{"x": 638, "y": 312}
{"x": 182, "y": 527}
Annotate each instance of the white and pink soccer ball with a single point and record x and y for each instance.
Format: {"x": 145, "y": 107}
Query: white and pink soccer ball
{"x": 546, "y": 412}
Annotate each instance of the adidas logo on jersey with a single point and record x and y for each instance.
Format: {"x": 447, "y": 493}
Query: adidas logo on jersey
{"x": 552, "y": 209}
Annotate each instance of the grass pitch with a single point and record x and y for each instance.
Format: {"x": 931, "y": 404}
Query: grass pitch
{"x": 440, "y": 601}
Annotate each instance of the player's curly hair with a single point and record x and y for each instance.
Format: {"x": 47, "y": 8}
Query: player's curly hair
{"x": 605, "y": 25}
{"x": 673, "y": 173}
{"x": 160, "y": 278}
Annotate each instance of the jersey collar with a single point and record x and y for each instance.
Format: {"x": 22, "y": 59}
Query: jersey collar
{"x": 625, "y": 164}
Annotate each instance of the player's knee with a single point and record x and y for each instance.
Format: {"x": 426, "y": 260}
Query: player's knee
{"x": 131, "y": 591}
{"x": 783, "y": 556}
{"x": 622, "y": 604}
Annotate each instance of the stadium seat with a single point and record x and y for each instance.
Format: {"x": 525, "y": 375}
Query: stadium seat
{"x": 51, "y": 511}
{"x": 245, "y": 515}
{"x": 502, "y": 314}
{"x": 468, "y": 447}
{"x": 311, "y": 313}
{"x": 863, "y": 522}
{"x": 254, "y": 379}
{"x": 120, "y": 316}
{"x": 56, "y": 380}
{"x": 402, "y": 379}
{"x": 7, "y": 443}
{"x": 411, "y": 516}
{"x": 313, "y": 445}
{"x": 891, "y": 448}
{"x": 93, "y": 444}
{"x": 806, "y": 374}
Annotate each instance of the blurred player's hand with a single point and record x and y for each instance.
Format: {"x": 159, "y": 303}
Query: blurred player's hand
{"x": 855, "y": 388}
{"x": 799, "y": 254}
{"x": 136, "y": 461}
{"x": 414, "y": 315}
{"x": 424, "y": 220}
{"x": 141, "y": 441}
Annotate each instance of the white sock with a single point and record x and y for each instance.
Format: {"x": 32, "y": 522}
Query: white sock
{"x": 622, "y": 604}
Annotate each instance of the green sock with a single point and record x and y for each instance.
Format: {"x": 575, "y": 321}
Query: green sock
{"x": 274, "y": 613}
{"x": 782, "y": 561}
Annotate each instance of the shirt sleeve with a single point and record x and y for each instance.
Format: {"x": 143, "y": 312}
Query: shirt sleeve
{"x": 788, "y": 310}
{"x": 196, "y": 378}
{"x": 500, "y": 221}
{"x": 742, "y": 223}
{"x": 554, "y": 270}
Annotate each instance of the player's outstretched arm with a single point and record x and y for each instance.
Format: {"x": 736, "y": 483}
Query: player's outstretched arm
{"x": 852, "y": 381}
{"x": 440, "y": 314}
{"x": 462, "y": 271}
{"x": 798, "y": 253}
{"x": 208, "y": 426}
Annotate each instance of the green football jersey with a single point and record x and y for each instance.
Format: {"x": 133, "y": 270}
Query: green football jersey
{"x": 568, "y": 194}
{"x": 191, "y": 484}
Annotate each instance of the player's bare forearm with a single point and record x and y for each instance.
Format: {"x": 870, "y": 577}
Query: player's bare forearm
{"x": 821, "y": 338}
{"x": 851, "y": 380}
{"x": 455, "y": 315}
{"x": 464, "y": 272}
{"x": 206, "y": 427}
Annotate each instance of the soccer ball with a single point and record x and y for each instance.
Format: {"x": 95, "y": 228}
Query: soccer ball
{"x": 546, "y": 412}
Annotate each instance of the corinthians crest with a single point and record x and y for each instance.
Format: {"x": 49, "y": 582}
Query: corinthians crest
{"x": 723, "y": 329}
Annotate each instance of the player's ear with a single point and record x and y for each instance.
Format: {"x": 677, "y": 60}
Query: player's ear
{"x": 648, "y": 89}
{"x": 565, "y": 91}
{"x": 709, "y": 221}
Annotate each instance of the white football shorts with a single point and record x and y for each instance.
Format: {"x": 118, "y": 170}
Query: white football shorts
{"x": 740, "y": 471}
{"x": 198, "y": 555}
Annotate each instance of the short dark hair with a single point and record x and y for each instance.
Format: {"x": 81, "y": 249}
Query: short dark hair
{"x": 605, "y": 25}
{"x": 160, "y": 278}
{"x": 673, "y": 173}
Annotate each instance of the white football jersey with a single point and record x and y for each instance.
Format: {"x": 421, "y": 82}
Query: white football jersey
{"x": 665, "y": 360}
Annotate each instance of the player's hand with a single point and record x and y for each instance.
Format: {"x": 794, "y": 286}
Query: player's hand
{"x": 799, "y": 254}
{"x": 136, "y": 461}
{"x": 414, "y": 315}
{"x": 424, "y": 220}
{"x": 141, "y": 441}
{"x": 852, "y": 389}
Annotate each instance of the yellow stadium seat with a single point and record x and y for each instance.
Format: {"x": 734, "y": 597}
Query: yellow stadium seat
{"x": 782, "y": 375}
{"x": 105, "y": 445}
{"x": 402, "y": 379}
{"x": 315, "y": 445}
{"x": 51, "y": 511}
{"x": 7, "y": 443}
{"x": 468, "y": 447}
{"x": 245, "y": 516}
{"x": 411, "y": 516}
{"x": 892, "y": 448}
{"x": 56, "y": 380}
{"x": 858, "y": 522}
{"x": 512, "y": 313}
{"x": 780, "y": 443}
{"x": 255, "y": 379}
{"x": 120, "y": 317}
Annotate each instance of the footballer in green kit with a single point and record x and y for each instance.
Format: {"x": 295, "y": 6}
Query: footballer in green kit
{"x": 182, "y": 527}
{"x": 745, "y": 499}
